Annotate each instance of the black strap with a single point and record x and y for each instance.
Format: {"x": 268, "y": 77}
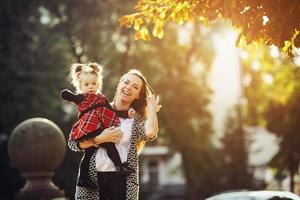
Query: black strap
{"x": 92, "y": 134}
{"x": 122, "y": 113}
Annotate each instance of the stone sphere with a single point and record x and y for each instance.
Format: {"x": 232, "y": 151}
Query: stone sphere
{"x": 36, "y": 145}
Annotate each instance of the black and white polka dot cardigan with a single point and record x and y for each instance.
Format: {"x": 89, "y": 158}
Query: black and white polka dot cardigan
{"x": 132, "y": 181}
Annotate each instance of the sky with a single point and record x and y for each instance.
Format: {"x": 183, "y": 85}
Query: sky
{"x": 224, "y": 78}
{"x": 225, "y": 82}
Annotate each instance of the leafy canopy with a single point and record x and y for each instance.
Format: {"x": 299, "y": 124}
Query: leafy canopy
{"x": 272, "y": 90}
{"x": 272, "y": 21}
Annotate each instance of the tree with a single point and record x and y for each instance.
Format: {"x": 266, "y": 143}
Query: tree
{"x": 178, "y": 73}
{"x": 236, "y": 173}
{"x": 272, "y": 21}
{"x": 31, "y": 74}
{"x": 288, "y": 157}
{"x": 39, "y": 40}
{"x": 45, "y": 38}
{"x": 185, "y": 116}
{"x": 272, "y": 92}
{"x": 188, "y": 132}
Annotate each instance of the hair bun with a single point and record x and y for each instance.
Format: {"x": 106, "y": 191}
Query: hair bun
{"x": 96, "y": 67}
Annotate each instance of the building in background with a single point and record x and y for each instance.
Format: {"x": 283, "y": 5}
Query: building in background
{"x": 161, "y": 174}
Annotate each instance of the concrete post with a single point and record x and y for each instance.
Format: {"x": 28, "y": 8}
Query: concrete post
{"x": 36, "y": 147}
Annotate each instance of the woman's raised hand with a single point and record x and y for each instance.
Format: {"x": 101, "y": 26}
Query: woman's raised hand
{"x": 151, "y": 124}
{"x": 152, "y": 104}
{"x": 111, "y": 134}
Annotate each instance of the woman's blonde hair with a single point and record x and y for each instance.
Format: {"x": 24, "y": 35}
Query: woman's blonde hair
{"x": 78, "y": 69}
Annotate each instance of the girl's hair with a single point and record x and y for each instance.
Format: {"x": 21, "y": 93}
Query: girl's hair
{"x": 139, "y": 105}
{"x": 78, "y": 69}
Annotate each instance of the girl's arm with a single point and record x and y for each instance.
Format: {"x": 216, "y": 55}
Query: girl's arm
{"x": 70, "y": 96}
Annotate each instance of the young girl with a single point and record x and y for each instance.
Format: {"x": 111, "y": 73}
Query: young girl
{"x": 95, "y": 114}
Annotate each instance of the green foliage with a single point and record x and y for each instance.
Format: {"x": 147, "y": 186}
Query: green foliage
{"x": 31, "y": 75}
{"x": 44, "y": 37}
{"x": 275, "y": 22}
{"x": 31, "y": 80}
{"x": 272, "y": 93}
{"x": 287, "y": 159}
{"x": 184, "y": 119}
{"x": 265, "y": 71}
{"x": 235, "y": 151}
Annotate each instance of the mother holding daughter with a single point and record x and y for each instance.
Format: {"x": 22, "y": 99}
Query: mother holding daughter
{"x": 136, "y": 97}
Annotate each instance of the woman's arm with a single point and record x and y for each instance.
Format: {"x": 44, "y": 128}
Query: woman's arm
{"x": 84, "y": 144}
{"x": 110, "y": 134}
{"x": 151, "y": 123}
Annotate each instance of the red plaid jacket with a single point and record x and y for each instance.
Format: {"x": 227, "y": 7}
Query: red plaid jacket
{"x": 95, "y": 114}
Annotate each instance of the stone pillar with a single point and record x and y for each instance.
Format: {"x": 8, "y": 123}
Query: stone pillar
{"x": 36, "y": 147}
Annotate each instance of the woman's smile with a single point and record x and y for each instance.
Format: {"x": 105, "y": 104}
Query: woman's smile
{"x": 126, "y": 92}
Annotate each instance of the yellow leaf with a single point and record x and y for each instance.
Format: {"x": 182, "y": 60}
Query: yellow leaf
{"x": 173, "y": 15}
{"x": 160, "y": 32}
{"x": 143, "y": 34}
{"x": 123, "y": 20}
{"x": 138, "y": 35}
{"x": 155, "y": 30}
{"x": 287, "y": 46}
{"x": 204, "y": 20}
{"x": 186, "y": 15}
{"x": 179, "y": 7}
{"x": 158, "y": 29}
{"x": 137, "y": 24}
{"x": 162, "y": 15}
{"x": 126, "y": 20}
{"x": 179, "y": 18}
{"x": 180, "y": 21}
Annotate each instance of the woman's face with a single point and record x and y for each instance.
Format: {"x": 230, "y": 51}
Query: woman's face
{"x": 129, "y": 88}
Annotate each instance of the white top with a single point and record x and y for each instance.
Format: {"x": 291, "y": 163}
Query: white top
{"x": 103, "y": 162}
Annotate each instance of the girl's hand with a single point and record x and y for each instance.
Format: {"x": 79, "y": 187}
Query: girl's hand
{"x": 111, "y": 134}
{"x": 152, "y": 104}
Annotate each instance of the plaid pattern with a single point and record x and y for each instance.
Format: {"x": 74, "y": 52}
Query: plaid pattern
{"x": 94, "y": 114}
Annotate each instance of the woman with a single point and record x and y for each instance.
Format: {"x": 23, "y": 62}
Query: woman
{"x": 132, "y": 91}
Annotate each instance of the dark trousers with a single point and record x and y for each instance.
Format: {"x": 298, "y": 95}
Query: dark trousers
{"x": 112, "y": 153}
{"x": 112, "y": 186}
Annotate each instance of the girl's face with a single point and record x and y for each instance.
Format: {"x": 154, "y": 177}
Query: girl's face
{"x": 129, "y": 88}
{"x": 89, "y": 83}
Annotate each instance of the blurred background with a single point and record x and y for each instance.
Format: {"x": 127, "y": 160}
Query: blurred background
{"x": 230, "y": 117}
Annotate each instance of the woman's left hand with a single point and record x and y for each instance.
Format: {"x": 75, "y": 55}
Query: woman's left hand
{"x": 151, "y": 124}
{"x": 152, "y": 104}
